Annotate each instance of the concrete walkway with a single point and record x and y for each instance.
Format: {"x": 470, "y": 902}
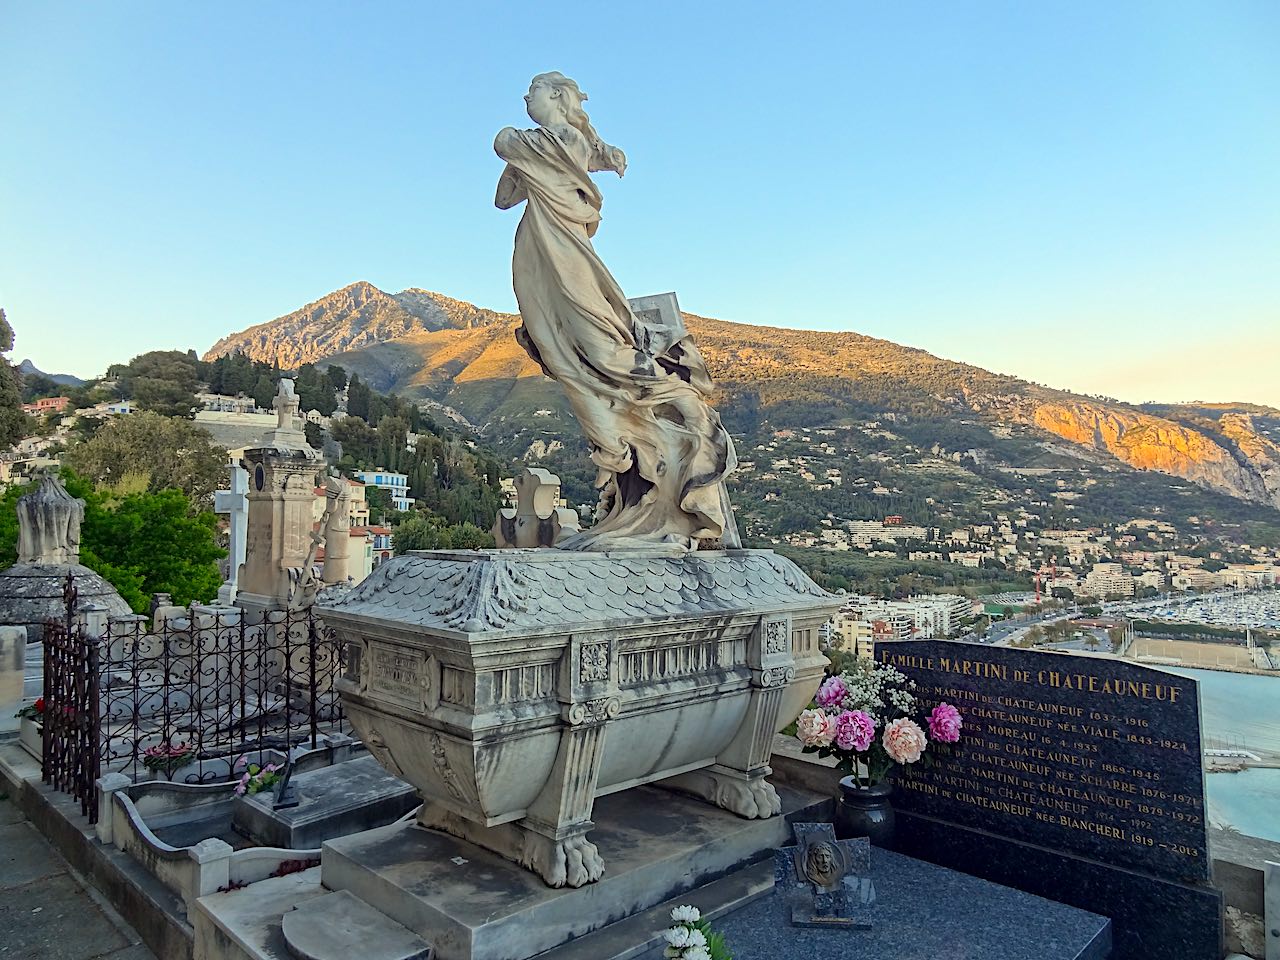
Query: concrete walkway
{"x": 45, "y": 912}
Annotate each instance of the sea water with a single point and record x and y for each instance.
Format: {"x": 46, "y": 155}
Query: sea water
{"x": 1241, "y": 711}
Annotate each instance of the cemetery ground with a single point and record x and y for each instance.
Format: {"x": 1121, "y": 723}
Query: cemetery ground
{"x": 46, "y": 911}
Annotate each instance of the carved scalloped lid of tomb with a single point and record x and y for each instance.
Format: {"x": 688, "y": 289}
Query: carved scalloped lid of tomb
{"x": 539, "y": 590}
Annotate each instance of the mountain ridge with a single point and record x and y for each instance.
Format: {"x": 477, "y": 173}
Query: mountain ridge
{"x": 29, "y": 369}
{"x": 457, "y": 355}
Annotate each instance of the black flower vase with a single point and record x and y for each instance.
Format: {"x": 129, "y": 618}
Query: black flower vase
{"x": 865, "y": 812}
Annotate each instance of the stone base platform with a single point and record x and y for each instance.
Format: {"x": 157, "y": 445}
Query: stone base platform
{"x": 470, "y": 904}
{"x": 334, "y": 801}
{"x": 461, "y": 901}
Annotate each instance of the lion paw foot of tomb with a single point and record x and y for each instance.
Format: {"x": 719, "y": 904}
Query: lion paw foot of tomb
{"x": 752, "y": 799}
{"x": 572, "y": 862}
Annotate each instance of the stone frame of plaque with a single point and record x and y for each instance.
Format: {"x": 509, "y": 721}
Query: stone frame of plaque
{"x": 1077, "y": 778}
{"x": 400, "y": 675}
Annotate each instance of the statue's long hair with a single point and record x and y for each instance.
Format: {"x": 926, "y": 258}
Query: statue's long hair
{"x": 603, "y": 156}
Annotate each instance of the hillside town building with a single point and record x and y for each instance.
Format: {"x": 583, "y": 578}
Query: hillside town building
{"x": 395, "y": 484}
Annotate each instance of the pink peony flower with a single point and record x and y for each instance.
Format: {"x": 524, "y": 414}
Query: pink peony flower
{"x": 815, "y": 728}
{"x": 243, "y": 785}
{"x": 854, "y": 730}
{"x": 832, "y": 692}
{"x": 945, "y": 723}
{"x": 241, "y": 762}
{"x": 904, "y": 741}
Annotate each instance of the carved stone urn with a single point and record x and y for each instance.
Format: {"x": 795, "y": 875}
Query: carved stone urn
{"x": 514, "y": 687}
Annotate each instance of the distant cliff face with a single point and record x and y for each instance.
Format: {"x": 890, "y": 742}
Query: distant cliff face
{"x": 427, "y": 345}
{"x": 1155, "y": 443}
{"x": 1262, "y": 453}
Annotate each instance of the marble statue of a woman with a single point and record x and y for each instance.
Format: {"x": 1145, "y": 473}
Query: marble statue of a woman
{"x": 662, "y": 453}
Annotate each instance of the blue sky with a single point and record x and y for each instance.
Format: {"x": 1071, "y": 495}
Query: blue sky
{"x": 1085, "y": 194}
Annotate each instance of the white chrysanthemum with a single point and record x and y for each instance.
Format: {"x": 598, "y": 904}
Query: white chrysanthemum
{"x": 678, "y": 937}
{"x": 685, "y": 914}
{"x": 697, "y": 938}
{"x": 696, "y": 953}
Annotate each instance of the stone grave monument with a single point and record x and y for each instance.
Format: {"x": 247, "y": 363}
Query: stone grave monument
{"x": 590, "y": 724}
{"x": 279, "y": 550}
{"x": 31, "y": 591}
{"x": 1078, "y": 779}
{"x": 531, "y": 694}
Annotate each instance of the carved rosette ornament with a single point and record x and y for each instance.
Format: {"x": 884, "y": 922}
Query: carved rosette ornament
{"x": 594, "y": 662}
{"x": 776, "y": 639}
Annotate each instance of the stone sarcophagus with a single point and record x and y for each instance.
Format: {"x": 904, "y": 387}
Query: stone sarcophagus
{"x": 514, "y": 687}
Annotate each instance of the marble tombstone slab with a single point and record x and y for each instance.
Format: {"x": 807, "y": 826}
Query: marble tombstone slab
{"x": 514, "y": 687}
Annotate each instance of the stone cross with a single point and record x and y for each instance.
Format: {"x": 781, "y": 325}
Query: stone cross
{"x": 825, "y": 881}
{"x": 289, "y": 433}
{"x": 536, "y": 520}
{"x": 234, "y": 503}
{"x": 286, "y": 406}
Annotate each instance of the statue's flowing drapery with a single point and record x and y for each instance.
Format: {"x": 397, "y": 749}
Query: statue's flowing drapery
{"x": 660, "y": 448}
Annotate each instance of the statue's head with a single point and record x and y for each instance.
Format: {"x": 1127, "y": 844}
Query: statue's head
{"x": 554, "y": 98}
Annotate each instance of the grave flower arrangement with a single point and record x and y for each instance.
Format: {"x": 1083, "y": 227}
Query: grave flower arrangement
{"x": 255, "y": 778}
{"x": 691, "y": 938}
{"x": 32, "y": 711}
{"x": 168, "y": 757}
{"x": 870, "y": 719}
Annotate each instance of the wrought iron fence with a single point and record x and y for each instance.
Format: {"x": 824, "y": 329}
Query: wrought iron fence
{"x": 186, "y": 696}
{"x": 70, "y": 728}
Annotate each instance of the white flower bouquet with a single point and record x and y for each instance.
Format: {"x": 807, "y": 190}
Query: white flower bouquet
{"x": 691, "y": 938}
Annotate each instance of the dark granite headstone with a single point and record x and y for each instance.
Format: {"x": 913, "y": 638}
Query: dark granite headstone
{"x": 825, "y": 881}
{"x": 1077, "y": 778}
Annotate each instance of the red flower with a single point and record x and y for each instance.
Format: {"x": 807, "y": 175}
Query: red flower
{"x": 39, "y": 705}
